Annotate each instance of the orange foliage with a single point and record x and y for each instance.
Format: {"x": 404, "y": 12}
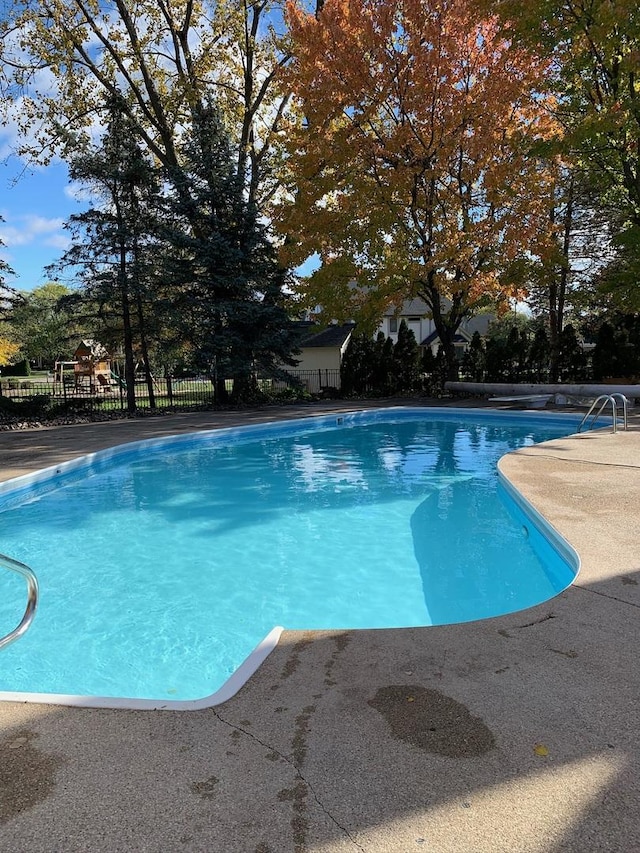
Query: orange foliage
{"x": 412, "y": 154}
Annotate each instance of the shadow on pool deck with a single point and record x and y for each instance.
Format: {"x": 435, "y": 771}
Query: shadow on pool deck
{"x": 510, "y": 734}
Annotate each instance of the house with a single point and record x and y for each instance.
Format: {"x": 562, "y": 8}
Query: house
{"x": 417, "y": 315}
{"x": 321, "y": 351}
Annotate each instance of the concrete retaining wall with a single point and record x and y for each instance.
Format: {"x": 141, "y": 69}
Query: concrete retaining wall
{"x": 514, "y": 388}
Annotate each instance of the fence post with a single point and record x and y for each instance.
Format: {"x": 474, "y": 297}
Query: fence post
{"x": 319, "y": 380}
{"x": 169, "y": 389}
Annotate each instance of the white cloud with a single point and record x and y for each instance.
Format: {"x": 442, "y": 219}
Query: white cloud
{"x": 58, "y": 241}
{"x": 76, "y": 192}
{"x": 27, "y": 229}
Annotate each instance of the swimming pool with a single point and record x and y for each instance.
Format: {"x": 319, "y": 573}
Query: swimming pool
{"x": 164, "y": 563}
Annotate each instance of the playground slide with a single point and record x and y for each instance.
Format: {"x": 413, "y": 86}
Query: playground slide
{"x": 118, "y": 379}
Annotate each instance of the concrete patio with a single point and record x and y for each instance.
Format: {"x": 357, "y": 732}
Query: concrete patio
{"x": 515, "y": 734}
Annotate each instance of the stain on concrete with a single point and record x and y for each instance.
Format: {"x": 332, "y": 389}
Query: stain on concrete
{"x": 293, "y": 662}
{"x": 273, "y": 756}
{"x": 27, "y": 775}
{"x": 299, "y": 821}
{"x": 262, "y": 848}
{"x": 629, "y": 581}
{"x": 341, "y": 642}
{"x": 431, "y": 721}
{"x": 569, "y": 653}
{"x": 286, "y": 795}
{"x": 299, "y": 792}
{"x": 299, "y": 742}
{"x": 206, "y": 789}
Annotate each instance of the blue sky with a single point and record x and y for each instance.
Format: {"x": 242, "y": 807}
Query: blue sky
{"x": 34, "y": 205}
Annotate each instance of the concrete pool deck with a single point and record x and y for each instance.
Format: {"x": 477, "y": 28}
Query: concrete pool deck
{"x": 512, "y": 734}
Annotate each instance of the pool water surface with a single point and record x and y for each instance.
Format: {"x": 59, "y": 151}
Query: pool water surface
{"x": 163, "y": 564}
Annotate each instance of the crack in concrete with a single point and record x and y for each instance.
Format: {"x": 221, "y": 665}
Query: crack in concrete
{"x": 299, "y": 775}
{"x": 536, "y": 621}
{"x": 630, "y": 467}
{"x": 603, "y": 594}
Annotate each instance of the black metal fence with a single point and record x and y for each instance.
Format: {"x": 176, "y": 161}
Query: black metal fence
{"x": 31, "y": 398}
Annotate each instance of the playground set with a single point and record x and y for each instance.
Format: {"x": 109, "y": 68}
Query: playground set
{"x": 89, "y": 372}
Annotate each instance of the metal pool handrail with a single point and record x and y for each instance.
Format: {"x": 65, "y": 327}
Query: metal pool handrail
{"x": 32, "y": 598}
{"x": 604, "y": 399}
{"x": 617, "y": 395}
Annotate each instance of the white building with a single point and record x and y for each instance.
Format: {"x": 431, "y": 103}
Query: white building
{"x": 417, "y": 315}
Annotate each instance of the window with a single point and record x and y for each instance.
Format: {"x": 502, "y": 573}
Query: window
{"x": 393, "y": 325}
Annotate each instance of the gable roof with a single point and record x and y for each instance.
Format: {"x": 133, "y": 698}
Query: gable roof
{"x": 415, "y": 306}
{"x": 331, "y": 336}
{"x": 461, "y": 337}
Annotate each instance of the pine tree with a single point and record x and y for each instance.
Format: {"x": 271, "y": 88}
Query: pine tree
{"x": 539, "y": 353}
{"x": 406, "y": 355}
{"x": 229, "y": 283}
{"x": 112, "y": 237}
{"x": 473, "y": 361}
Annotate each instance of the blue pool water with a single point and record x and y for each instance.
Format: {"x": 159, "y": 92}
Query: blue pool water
{"x": 162, "y": 566}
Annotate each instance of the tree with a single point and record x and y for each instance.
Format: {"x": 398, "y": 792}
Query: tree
{"x": 594, "y": 48}
{"x": 411, "y": 164}
{"x": 42, "y": 325}
{"x": 384, "y": 367}
{"x": 538, "y": 355}
{"x": 229, "y": 285}
{"x": 8, "y": 350}
{"x": 406, "y": 357}
{"x": 5, "y": 269}
{"x": 356, "y": 370}
{"x": 110, "y": 238}
{"x": 474, "y": 359}
{"x": 573, "y": 362}
{"x": 165, "y": 58}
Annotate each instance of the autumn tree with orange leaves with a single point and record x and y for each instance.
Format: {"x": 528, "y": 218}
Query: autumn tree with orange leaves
{"x": 413, "y": 167}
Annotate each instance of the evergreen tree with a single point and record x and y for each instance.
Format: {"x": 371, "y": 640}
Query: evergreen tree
{"x": 572, "y": 361}
{"x": 383, "y": 365}
{"x": 356, "y": 371}
{"x": 111, "y": 239}
{"x": 539, "y": 353}
{"x": 473, "y": 360}
{"x": 230, "y": 286}
{"x": 406, "y": 355}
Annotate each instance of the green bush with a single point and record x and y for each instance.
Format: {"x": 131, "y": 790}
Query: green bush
{"x": 35, "y": 407}
{"x": 22, "y": 368}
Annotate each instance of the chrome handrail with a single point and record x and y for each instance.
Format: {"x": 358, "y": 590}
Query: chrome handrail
{"x": 32, "y": 598}
{"x": 605, "y": 398}
{"x": 625, "y": 403}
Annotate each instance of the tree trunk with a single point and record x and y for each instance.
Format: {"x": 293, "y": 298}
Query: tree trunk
{"x": 129, "y": 360}
{"x": 145, "y": 352}
{"x": 557, "y": 291}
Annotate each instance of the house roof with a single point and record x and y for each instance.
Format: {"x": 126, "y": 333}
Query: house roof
{"x": 415, "y": 306}
{"x": 461, "y": 337}
{"x": 330, "y": 336}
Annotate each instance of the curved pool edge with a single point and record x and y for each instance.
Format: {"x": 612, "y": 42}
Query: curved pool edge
{"x": 545, "y": 528}
{"x": 229, "y": 689}
{"x": 95, "y": 460}
{"x": 255, "y": 659}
